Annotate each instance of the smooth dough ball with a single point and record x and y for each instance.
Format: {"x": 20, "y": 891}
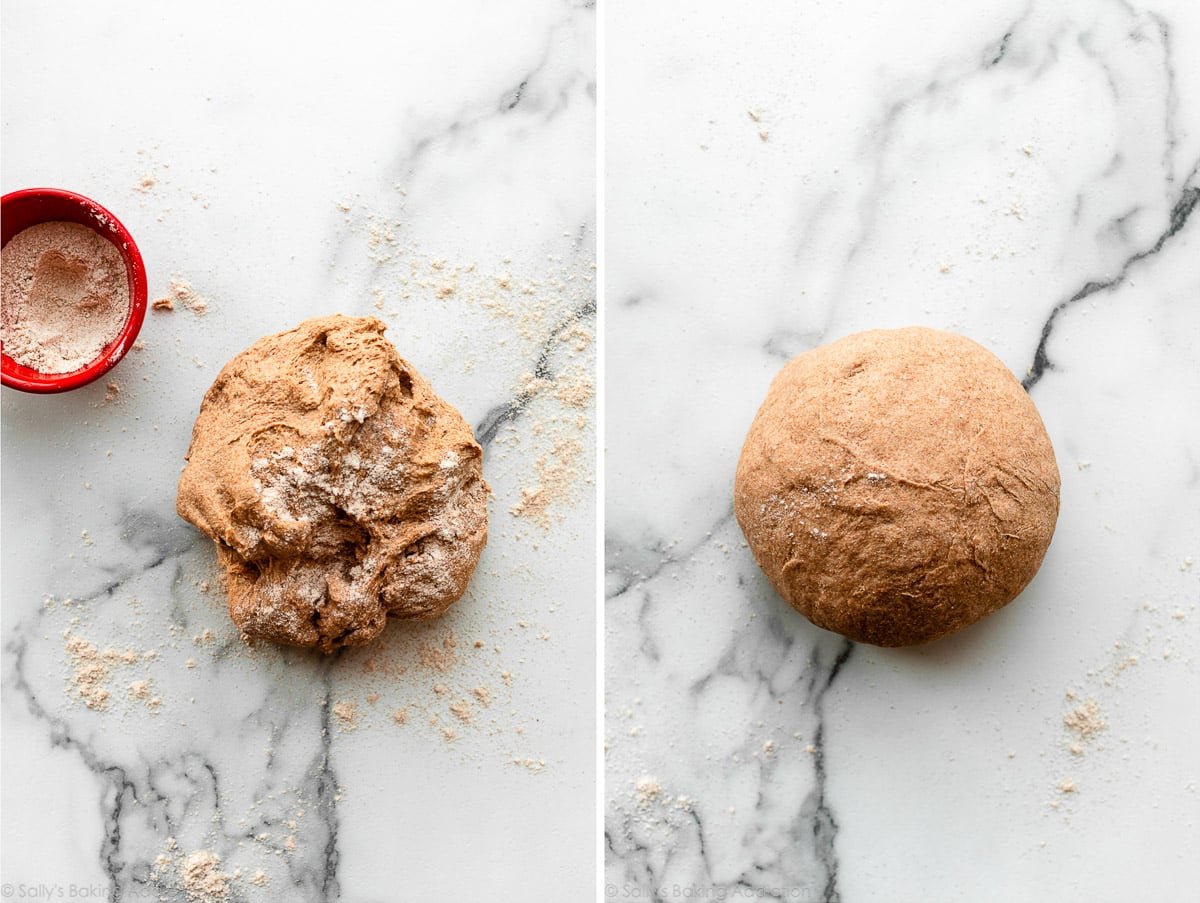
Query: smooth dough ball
{"x": 338, "y": 487}
{"x": 897, "y": 485}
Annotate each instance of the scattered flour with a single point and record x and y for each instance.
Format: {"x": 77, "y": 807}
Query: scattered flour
{"x": 1085, "y": 721}
{"x": 347, "y": 713}
{"x": 180, "y": 291}
{"x": 648, "y": 790}
{"x": 202, "y": 877}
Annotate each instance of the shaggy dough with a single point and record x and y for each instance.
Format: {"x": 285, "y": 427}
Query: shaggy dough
{"x": 897, "y": 485}
{"x": 337, "y": 486}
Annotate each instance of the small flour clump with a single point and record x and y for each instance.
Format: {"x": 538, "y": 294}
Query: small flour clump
{"x": 180, "y": 291}
{"x": 92, "y": 672}
{"x": 648, "y": 790}
{"x": 1085, "y": 721}
{"x": 347, "y": 713}
{"x": 65, "y": 296}
{"x": 202, "y": 876}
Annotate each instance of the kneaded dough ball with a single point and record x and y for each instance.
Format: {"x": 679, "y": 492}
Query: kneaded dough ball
{"x": 897, "y": 485}
{"x": 338, "y": 487}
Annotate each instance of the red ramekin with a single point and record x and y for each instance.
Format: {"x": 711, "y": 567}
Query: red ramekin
{"x": 30, "y": 206}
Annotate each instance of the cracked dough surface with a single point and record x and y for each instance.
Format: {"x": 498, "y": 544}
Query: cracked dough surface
{"x": 897, "y": 485}
{"x": 338, "y": 487}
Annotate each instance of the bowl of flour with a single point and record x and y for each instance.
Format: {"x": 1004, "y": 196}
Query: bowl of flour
{"x": 73, "y": 288}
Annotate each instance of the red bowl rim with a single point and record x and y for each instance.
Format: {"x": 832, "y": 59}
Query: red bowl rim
{"x": 116, "y": 233}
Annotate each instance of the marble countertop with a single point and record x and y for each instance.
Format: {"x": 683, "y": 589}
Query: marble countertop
{"x": 1024, "y": 173}
{"x": 431, "y": 165}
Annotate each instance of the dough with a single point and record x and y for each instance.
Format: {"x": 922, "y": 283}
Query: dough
{"x": 897, "y": 485}
{"x": 337, "y": 486}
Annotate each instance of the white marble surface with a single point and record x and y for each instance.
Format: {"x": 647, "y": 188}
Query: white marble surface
{"x": 1022, "y": 173}
{"x": 305, "y": 159}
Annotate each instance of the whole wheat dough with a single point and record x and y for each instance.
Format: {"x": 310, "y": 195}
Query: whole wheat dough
{"x": 897, "y": 485}
{"x": 337, "y": 486}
